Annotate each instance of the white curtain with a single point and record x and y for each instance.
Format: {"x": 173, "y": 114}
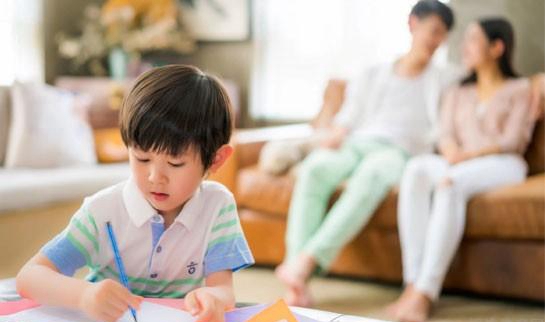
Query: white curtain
{"x": 300, "y": 44}
{"x": 21, "y": 36}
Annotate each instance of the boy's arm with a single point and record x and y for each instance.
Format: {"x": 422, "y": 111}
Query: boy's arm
{"x": 41, "y": 281}
{"x": 220, "y": 284}
{"x": 227, "y": 251}
{"x": 210, "y": 302}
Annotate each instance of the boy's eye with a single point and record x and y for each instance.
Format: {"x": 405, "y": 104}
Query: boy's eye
{"x": 177, "y": 165}
{"x": 142, "y": 160}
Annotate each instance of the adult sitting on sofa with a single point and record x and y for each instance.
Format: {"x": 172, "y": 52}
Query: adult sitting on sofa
{"x": 388, "y": 117}
{"x": 486, "y": 125}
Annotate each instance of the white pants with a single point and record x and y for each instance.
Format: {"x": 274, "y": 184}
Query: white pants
{"x": 431, "y": 215}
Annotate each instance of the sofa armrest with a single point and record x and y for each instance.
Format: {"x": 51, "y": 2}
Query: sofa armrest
{"x": 247, "y": 145}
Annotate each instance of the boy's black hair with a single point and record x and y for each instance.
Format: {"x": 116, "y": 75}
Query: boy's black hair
{"x": 176, "y": 107}
{"x": 425, "y": 8}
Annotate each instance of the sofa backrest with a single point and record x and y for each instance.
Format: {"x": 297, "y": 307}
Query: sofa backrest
{"x": 4, "y": 121}
{"x": 535, "y": 154}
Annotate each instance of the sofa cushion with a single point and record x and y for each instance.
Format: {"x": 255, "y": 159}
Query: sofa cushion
{"x": 47, "y": 128}
{"x": 27, "y": 188}
{"x": 260, "y": 191}
{"x": 4, "y": 121}
{"x": 509, "y": 212}
{"x": 109, "y": 146}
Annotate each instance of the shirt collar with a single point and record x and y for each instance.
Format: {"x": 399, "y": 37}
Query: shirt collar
{"x": 192, "y": 209}
{"x": 140, "y": 211}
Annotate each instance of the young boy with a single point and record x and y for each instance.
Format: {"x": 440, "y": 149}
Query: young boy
{"x": 174, "y": 231}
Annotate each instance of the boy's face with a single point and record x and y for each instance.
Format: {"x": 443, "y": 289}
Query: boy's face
{"x": 428, "y": 34}
{"x": 166, "y": 182}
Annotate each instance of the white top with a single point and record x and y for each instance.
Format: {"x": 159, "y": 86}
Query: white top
{"x": 382, "y": 105}
{"x": 205, "y": 237}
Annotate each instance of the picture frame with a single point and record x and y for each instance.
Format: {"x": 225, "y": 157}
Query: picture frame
{"x": 217, "y": 20}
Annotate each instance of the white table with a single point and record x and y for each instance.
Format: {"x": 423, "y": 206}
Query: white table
{"x": 325, "y": 316}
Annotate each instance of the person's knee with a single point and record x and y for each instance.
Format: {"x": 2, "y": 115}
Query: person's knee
{"x": 445, "y": 183}
{"x": 418, "y": 171}
{"x": 418, "y": 166}
{"x": 447, "y": 186}
{"x": 315, "y": 164}
{"x": 376, "y": 175}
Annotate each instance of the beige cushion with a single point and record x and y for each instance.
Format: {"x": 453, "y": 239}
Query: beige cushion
{"x": 4, "y": 121}
{"x": 47, "y": 129}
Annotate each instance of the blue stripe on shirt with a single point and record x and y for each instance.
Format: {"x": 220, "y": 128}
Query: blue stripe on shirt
{"x": 64, "y": 255}
{"x": 231, "y": 255}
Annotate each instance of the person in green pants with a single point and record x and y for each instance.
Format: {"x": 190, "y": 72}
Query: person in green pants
{"x": 389, "y": 115}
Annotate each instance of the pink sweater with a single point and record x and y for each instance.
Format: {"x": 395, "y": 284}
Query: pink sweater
{"x": 504, "y": 120}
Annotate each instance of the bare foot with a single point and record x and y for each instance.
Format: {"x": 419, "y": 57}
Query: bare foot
{"x": 288, "y": 277}
{"x": 412, "y": 306}
{"x": 301, "y": 299}
{"x": 392, "y": 309}
{"x": 295, "y": 277}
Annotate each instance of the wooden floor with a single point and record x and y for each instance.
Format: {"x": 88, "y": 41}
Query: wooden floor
{"x": 369, "y": 299}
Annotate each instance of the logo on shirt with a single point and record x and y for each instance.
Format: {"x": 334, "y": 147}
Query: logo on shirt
{"x": 192, "y": 267}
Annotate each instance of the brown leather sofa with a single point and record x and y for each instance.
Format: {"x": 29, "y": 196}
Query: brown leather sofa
{"x": 502, "y": 253}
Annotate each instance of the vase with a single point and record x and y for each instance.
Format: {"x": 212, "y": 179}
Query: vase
{"x": 118, "y": 60}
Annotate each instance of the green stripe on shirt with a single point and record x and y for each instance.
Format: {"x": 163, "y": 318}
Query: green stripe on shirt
{"x": 91, "y": 220}
{"x": 147, "y": 282}
{"x": 86, "y": 232}
{"x": 176, "y": 294}
{"x": 161, "y": 283}
{"x": 226, "y": 224}
{"x": 226, "y": 209}
{"x": 223, "y": 239}
{"x": 80, "y": 247}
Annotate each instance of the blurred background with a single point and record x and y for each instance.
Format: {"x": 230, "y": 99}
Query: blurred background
{"x": 76, "y": 59}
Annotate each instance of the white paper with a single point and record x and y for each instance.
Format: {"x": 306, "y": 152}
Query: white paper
{"x": 148, "y": 312}
{"x": 49, "y": 314}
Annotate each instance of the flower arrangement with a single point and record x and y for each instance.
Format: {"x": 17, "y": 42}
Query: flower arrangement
{"x": 133, "y": 27}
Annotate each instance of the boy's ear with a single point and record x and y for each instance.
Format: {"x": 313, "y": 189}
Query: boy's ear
{"x": 413, "y": 20}
{"x": 223, "y": 153}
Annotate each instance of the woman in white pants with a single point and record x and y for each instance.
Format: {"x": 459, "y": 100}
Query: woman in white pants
{"x": 486, "y": 125}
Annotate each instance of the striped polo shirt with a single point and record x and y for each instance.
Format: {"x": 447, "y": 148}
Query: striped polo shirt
{"x": 205, "y": 237}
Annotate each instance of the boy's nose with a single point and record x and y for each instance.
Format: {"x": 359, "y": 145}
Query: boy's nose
{"x": 156, "y": 176}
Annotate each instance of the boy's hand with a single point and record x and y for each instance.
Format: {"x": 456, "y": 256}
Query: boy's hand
{"x": 107, "y": 300}
{"x": 205, "y": 306}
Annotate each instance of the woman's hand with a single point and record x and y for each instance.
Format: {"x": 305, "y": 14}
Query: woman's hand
{"x": 205, "y": 306}
{"x": 107, "y": 300}
{"x": 456, "y": 157}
